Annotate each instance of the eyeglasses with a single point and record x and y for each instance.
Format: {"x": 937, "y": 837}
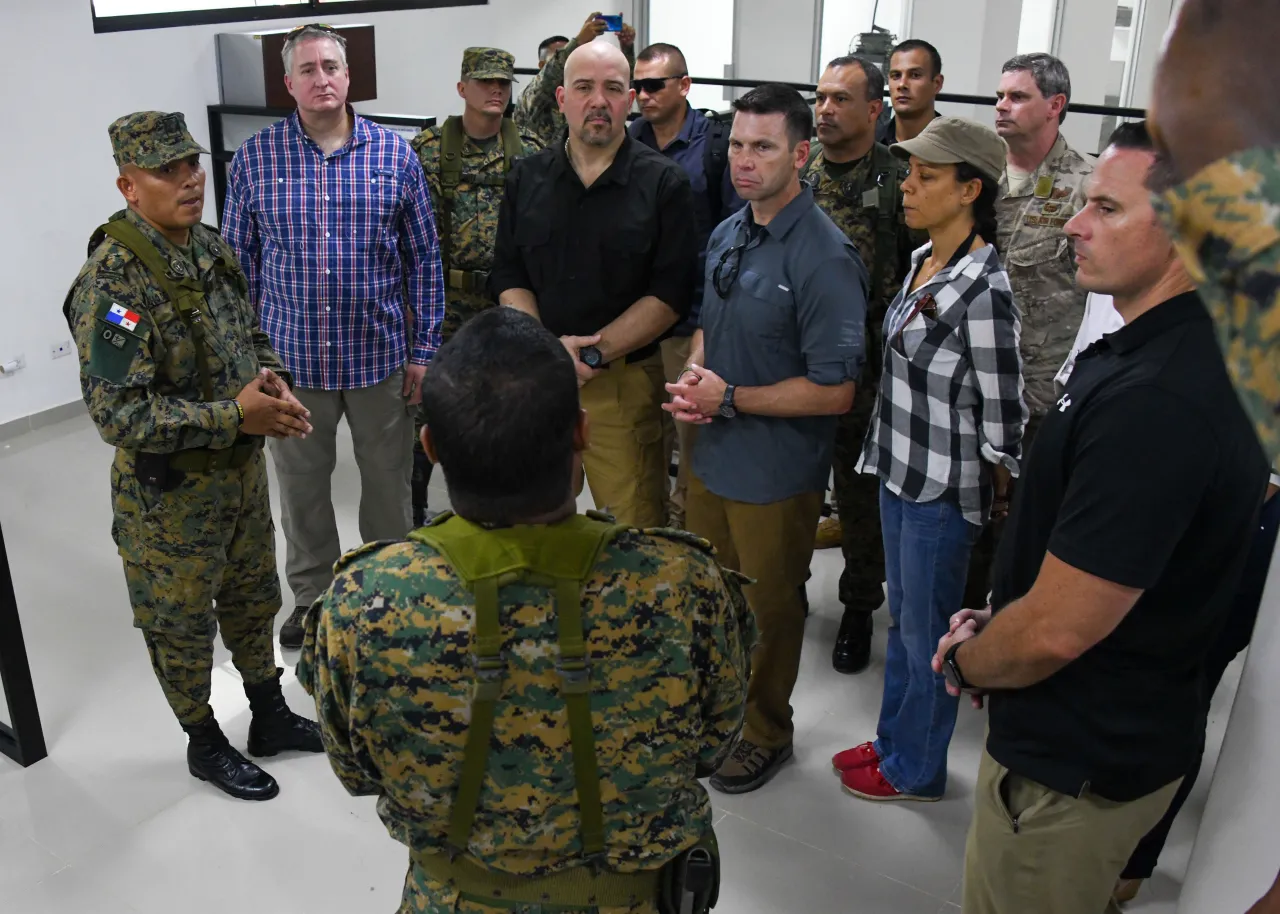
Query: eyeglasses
{"x": 655, "y": 85}
{"x": 725, "y": 273}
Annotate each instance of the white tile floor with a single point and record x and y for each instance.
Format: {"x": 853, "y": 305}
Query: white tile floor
{"x": 111, "y": 823}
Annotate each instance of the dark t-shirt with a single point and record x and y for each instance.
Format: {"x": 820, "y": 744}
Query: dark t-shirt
{"x": 1146, "y": 474}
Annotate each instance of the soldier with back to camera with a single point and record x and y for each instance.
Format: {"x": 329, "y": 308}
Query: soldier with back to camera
{"x": 178, "y": 377}
{"x": 531, "y": 693}
{"x": 466, "y": 160}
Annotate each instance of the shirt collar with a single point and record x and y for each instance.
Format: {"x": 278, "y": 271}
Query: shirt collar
{"x": 182, "y": 261}
{"x": 1225, "y": 216}
{"x": 786, "y": 220}
{"x": 360, "y": 132}
{"x": 619, "y": 170}
{"x": 1158, "y": 320}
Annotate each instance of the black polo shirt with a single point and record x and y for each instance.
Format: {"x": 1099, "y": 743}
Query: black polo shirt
{"x": 590, "y": 253}
{"x": 1147, "y": 474}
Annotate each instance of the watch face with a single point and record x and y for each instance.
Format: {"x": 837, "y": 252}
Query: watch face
{"x": 727, "y": 411}
{"x": 952, "y": 677}
{"x": 589, "y": 356}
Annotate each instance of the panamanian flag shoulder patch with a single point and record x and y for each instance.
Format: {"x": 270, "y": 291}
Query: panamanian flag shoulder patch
{"x": 122, "y": 317}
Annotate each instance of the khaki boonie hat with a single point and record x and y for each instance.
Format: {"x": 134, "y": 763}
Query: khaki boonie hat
{"x": 488, "y": 63}
{"x": 151, "y": 139}
{"x": 952, "y": 140}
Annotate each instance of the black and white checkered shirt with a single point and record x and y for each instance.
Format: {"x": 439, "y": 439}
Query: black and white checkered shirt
{"x": 950, "y": 401}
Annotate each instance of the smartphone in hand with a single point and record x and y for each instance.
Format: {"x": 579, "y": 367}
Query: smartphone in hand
{"x": 612, "y": 23}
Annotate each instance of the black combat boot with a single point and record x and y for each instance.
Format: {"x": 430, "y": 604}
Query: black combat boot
{"x": 421, "y": 478}
{"x": 274, "y": 728}
{"x": 293, "y": 630}
{"x": 852, "y": 653}
{"x": 211, "y": 758}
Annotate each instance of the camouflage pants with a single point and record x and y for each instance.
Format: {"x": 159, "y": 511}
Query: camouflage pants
{"x": 425, "y": 895}
{"x": 197, "y": 559}
{"x": 857, "y": 499}
{"x": 459, "y": 307}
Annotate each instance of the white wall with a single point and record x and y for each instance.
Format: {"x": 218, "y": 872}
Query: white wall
{"x": 775, "y": 39}
{"x": 66, "y": 84}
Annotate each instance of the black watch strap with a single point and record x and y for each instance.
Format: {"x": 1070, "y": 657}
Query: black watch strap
{"x": 949, "y": 659}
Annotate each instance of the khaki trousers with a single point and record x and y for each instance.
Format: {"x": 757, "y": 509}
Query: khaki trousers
{"x": 381, "y": 426}
{"x": 1034, "y": 849}
{"x": 624, "y": 460}
{"x": 771, "y": 544}
{"x": 676, "y": 435}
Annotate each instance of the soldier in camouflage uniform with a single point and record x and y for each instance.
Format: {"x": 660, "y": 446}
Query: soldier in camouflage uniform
{"x": 533, "y": 716}
{"x": 1225, "y": 214}
{"x": 862, "y": 194}
{"x": 1035, "y": 204}
{"x": 538, "y": 110}
{"x": 466, "y": 199}
{"x": 180, "y": 380}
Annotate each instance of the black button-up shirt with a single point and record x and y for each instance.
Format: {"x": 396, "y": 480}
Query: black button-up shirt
{"x": 590, "y": 253}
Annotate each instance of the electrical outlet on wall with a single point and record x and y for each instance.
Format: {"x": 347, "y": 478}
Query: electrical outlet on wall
{"x": 58, "y": 350}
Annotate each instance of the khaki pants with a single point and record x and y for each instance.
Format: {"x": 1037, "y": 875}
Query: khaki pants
{"x": 624, "y": 460}
{"x": 1033, "y": 849}
{"x": 676, "y": 435}
{"x": 382, "y": 434}
{"x": 772, "y": 544}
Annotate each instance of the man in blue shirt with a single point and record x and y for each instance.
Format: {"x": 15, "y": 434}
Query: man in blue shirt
{"x": 670, "y": 125}
{"x": 780, "y": 342}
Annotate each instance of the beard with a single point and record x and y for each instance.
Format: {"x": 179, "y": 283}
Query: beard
{"x": 594, "y": 134}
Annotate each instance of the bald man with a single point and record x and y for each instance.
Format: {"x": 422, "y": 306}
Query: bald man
{"x": 597, "y": 238}
{"x": 1224, "y": 146}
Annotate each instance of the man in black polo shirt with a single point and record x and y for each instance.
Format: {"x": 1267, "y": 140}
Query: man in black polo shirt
{"x": 1125, "y": 545}
{"x": 773, "y": 366}
{"x": 597, "y": 238}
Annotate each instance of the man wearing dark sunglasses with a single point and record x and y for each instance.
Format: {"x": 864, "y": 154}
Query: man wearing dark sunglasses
{"x": 670, "y": 125}
{"x": 774, "y": 363}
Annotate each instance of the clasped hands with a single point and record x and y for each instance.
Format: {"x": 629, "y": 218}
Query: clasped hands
{"x": 964, "y": 625}
{"x": 271, "y": 409}
{"x": 696, "y": 396}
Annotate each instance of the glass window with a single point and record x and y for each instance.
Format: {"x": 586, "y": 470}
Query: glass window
{"x": 1124, "y": 45}
{"x": 105, "y": 8}
{"x": 1035, "y": 32}
{"x": 118, "y": 15}
{"x": 847, "y": 29}
{"x": 704, "y": 32}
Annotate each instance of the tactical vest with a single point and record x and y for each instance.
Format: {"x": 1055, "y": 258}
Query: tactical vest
{"x": 451, "y": 175}
{"x": 561, "y": 558}
{"x": 185, "y": 291}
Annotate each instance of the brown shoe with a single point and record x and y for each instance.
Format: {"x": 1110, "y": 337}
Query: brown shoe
{"x": 829, "y": 534}
{"x": 1126, "y": 890}
{"x": 749, "y": 767}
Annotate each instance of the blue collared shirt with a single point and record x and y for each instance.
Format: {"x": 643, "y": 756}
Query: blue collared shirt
{"x": 689, "y": 151}
{"x": 331, "y": 246}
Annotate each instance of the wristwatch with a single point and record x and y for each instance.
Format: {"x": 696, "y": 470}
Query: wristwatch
{"x": 951, "y": 670}
{"x": 590, "y": 356}
{"x": 727, "y": 409}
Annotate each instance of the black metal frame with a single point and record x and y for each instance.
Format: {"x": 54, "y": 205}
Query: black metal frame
{"x": 259, "y": 13}
{"x": 221, "y": 157}
{"x": 23, "y": 738}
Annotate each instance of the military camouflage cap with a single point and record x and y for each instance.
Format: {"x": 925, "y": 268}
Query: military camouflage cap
{"x": 952, "y": 140}
{"x": 150, "y": 139}
{"x": 488, "y": 63}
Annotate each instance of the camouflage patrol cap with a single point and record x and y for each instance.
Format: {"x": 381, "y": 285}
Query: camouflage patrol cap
{"x": 150, "y": 139}
{"x": 951, "y": 140}
{"x": 488, "y": 63}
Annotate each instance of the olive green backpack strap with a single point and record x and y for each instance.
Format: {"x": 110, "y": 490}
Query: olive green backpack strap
{"x": 451, "y": 140}
{"x": 512, "y": 145}
{"x": 186, "y": 293}
{"x": 561, "y": 557}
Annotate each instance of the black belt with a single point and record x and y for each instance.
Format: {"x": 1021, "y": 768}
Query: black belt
{"x": 475, "y": 281}
{"x": 207, "y": 460}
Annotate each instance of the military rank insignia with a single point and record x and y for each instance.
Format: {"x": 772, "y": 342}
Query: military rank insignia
{"x": 1044, "y": 187}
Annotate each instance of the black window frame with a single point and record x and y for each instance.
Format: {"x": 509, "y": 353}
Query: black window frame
{"x": 309, "y": 10}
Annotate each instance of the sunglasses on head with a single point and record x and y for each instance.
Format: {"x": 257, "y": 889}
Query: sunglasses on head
{"x": 318, "y": 26}
{"x": 655, "y": 85}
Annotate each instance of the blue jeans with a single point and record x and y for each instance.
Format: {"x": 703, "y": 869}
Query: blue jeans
{"x": 926, "y": 561}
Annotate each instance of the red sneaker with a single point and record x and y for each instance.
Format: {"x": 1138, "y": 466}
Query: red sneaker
{"x": 868, "y": 783}
{"x": 857, "y": 757}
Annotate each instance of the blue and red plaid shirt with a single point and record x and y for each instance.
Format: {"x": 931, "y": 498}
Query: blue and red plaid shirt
{"x": 331, "y": 246}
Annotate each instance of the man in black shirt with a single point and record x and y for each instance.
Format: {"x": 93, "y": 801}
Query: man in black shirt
{"x": 1125, "y": 545}
{"x": 597, "y": 238}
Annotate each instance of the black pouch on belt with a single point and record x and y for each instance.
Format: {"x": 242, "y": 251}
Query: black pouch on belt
{"x": 690, "y": 883}
{"x": 153, "y": 470}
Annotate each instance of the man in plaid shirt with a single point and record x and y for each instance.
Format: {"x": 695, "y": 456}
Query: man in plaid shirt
{"x": 331, "y": 219}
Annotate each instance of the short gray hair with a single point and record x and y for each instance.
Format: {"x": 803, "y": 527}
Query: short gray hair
{"x": 311, "y": 33}
{"x": 1049, "y": 72}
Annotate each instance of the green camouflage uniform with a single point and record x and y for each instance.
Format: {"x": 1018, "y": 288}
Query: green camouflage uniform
{"x": 852, "y": 202}
{"x": 1039, "y": 258}
{"x": 388, "y": 657}
{"x": 211, "y": 538}
{"x": 473, "y": 224}
{"x": 537, "y": 111}
{"x": 1225, "y": 223}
